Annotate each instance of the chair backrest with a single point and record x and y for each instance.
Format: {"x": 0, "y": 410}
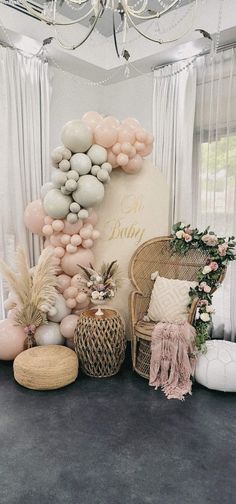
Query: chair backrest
{"x": 156, "y": 255}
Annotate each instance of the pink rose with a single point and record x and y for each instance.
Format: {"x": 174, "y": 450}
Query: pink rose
{"x": 223, "y": 249}
{"x": 214, "y": 266}
{"x": 187, "y": 237}
{"x": 210, "y": 239}
{"x": 207, "y": 289}
{"x": 188, "y": 230}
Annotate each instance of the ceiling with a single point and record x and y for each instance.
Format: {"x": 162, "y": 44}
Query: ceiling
{"x": 96, "y": 60}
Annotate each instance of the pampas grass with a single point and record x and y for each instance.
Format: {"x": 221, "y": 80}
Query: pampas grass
{"x": 33, "y": 292}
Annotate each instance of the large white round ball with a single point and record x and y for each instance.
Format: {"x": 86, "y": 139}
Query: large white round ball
{"x": 59, "y": 179}
{"x": 81, "y": 163}
{"x": 62, "y": 309}
{"x": 89, "y": 192}
{"x": 97, "y": 154}
{"x": 56, "y": 204}
{"x": 46, "y": 188}
{"x": 49, "y": 334}
{"x": 77, "y": 136}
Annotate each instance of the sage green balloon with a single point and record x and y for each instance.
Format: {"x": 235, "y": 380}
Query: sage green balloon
{"x": 89, "y": 191}
{"x": 56, "y": 204}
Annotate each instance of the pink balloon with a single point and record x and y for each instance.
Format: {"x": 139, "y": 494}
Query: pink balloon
{"x": 132, "y": 123}
{"x": 71, "y": 303}
{"x": 150, "y": 139}
{"x": 85, "y": 233}
{"x": 126, "y": 134}
{"x": 55, "y": 239}
{"x": 95, "y": 234}
{"x": 134, "y": 165}
{"x": 133, "y": 152}
{"x": 122, "y": 159}
{"x": 126, "y": 148}
{"x": 34, "y": 217}
{"x": 47, "y": 230}
{"x": 68, "y": 326}
{"x": 92, "y": 119}
{"x": 81, "y": 306}
{"x": 141, "y": 135}
{"x": 72, "y": 229}
{"x": 70, "y": 262}
{"x": 76, "y": 240}
{"x": 12, "y": 314}
{"x": 139, "y": 146}
{"x": 111, "y": 158}
{"x": 75, "y": 280}
{"x": 105, "y": 136}
{"x": 46, "y": 243}
{"x": 81, "y": 297}
{"x": 116, "y": 149}
{"x": 111, "y": 121}
{"x": 65, "y": 239}
{"x": 92, "y": 218}
{"x": 70, "y": 292}
{"x": 87, "y": 244}
{"x": 58, "y": 225}
{"x": 59, "y": 252}
{"x": 12, "y": 339}
{"x": 63, "y": 282}
{"x": 71, "y": 248}
{"x": 146, "y": 151}
{"x": 48, "y": 220}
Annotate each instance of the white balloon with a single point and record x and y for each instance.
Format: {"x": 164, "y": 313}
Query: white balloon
{"x": 74, "y": 207}
{"x": 66, "y": 153}
{"x": 77, "y": 136}
{"x": 62, "y": 309}
{"x": 56, "y": 155}
{"x": 64, "y": 191}
{"x": 107, "y": 167}
{"x": 103, "y": 175}
{"x": 89, "y": 192}
{"x": 46, "y": 188}
{"x": 64, "y": 165}
{"x": 56, "y": 204}
{"x": 95, "y": 169}
{"x": 81, "y": 163}
{"x": 58, "y": 179}
{"x": 97, "y": 154}
{"x": 83, "y": 214}
{"x": 71, "y": 185}
{"x": 72, "y": 174}
{"x": 49, "y": 334}
{"x": 72, "y": 218}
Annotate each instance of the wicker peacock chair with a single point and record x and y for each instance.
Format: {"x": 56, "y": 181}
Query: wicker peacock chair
{"x": 156, "y": 255}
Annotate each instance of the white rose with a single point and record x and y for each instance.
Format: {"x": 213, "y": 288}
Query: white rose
{"x": 182, "y": 225}
{"x": 95, "y": 295}
{"x": 210, "y": 309}
{"x": 179, "y": 234}
{"x": 205, "y": 317}
{"x": 206, "y": 270}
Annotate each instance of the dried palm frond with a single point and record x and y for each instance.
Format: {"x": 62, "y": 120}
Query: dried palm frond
{"x": 32, "y": 292}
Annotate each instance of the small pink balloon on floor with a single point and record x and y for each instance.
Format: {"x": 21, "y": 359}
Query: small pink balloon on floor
{"x": 34, "y": 217}
{"x": 12, "y": 339}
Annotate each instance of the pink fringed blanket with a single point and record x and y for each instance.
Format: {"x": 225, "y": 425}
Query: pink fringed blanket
{"x": 172, "y": 360}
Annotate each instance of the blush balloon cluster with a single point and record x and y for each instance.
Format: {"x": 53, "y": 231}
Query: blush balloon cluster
{"x": 65, "y": 216}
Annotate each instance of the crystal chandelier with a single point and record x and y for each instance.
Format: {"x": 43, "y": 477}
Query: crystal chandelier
{"x": 131, "y": 14}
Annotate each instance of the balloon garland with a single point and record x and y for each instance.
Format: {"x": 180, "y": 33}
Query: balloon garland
{"x": 65, "y": 216}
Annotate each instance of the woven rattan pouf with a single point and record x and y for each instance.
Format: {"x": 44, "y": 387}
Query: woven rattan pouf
{"x": 100, "y": 342}
{"x": 46, "y": 367}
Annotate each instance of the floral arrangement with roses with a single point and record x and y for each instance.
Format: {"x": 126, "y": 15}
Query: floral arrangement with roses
{"x": 220, "y": 251}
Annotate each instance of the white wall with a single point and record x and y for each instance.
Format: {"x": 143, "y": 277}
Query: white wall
{"x": 71, "y": 97}
{"x": 131, "y": 98}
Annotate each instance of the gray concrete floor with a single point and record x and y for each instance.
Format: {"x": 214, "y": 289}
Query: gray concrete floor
{"x": 115, "y": 441}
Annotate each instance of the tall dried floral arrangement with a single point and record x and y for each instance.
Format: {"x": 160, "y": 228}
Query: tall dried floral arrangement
{"x": 33, "y": 291}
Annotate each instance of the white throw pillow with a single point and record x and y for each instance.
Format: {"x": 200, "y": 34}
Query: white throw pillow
{"x": 169, "y": 300}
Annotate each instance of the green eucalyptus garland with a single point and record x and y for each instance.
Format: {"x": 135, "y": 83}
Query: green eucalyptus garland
{"x": 220, "y": 251}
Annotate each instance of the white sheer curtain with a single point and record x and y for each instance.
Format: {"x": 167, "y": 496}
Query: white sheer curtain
{"x": 214, "y": 165}
{"x": 174, "y": 98}
{"x": 24, "y": 133}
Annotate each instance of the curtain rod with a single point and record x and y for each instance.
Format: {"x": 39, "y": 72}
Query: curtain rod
{"x": 222, "y": 47}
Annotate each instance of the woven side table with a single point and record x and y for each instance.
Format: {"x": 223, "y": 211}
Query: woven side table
{"x": 100, "y": 342}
